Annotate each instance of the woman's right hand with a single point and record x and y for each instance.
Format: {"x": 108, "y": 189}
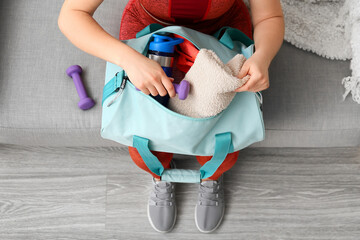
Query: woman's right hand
{"x": 148, "y": 76}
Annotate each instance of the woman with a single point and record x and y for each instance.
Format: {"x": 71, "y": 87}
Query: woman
{"x": 206, "y": 16}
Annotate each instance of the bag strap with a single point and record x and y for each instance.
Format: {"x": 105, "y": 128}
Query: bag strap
{"x": 149, "y": 29}
{"x": 223, "y": 146}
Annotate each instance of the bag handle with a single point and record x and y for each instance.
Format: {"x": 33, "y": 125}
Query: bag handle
{"x": 149, "y": 29}
{"x": 236, "y": 40}
{"x": 227, "y": 35}
{"x": 223, "y": 146}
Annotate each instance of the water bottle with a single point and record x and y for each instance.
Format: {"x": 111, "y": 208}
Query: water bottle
{"x": 161, "y": 50}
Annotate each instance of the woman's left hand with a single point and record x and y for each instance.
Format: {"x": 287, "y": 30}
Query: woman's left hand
{"x": 257, "y": 67}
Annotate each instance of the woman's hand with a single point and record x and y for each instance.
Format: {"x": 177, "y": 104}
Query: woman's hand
{"x": 148, "y": 76}
{"x": 257, "y": 67}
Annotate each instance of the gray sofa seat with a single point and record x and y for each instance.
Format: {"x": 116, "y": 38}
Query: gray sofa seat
{"x": 38, "y": 101}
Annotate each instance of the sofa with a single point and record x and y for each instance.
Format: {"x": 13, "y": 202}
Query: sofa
{"x": 38, "y": 102}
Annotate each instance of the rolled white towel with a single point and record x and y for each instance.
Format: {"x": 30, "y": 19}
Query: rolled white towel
{"x": 212, "y": 85}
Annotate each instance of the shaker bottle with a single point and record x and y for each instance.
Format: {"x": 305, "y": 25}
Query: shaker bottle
{"x": 162, "y": 49}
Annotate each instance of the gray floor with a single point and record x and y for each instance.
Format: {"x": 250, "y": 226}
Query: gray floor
{"x": 98, "y": 193}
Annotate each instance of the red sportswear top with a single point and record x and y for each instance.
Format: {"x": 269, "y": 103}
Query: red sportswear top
{"x": 206, "y": 16}
{"x": 186, "y": 10}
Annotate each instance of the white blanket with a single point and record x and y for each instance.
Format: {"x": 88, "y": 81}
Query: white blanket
{"x": 329, "y": 28}
{"x": 212, "y": 85}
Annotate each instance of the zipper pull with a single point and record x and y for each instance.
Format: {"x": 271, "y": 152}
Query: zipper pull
{"x": 260, "y": 99}
{"x": 119, "y": 90}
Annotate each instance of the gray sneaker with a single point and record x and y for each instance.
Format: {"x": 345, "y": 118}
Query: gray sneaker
{"x": 209, "y": 210}
{"x": 162, "y": 206}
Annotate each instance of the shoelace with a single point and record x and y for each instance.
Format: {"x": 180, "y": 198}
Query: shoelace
{"x": 209, "y": 193}
{"x": 163, "y": 193}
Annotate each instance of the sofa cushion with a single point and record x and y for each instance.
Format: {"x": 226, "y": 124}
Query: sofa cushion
{"x": 38, "y": 101}
{"x": 303, "y": 106}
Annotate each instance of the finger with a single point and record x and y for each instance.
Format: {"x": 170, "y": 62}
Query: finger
{"x": 145, "y": 91}
{"x": 244, "y": 80}
{"x": 141, "y": 86}
{"x": 250, "y": 84}
{"x": 160, "y": 88}
{"x": 243, "y": 71}
{"x": 153, "y": 91}
{"x": 169, "y": 86}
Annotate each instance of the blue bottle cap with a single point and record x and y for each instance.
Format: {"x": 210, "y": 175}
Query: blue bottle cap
{"x": 164, "y": 43}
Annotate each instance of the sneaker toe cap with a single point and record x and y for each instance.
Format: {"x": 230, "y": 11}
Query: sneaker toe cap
{"x": 208, "y": 217}
{"x": 162, "y": 218}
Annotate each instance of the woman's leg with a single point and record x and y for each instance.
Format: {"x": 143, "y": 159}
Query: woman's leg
{"x": 229, "y": 161}
{"x": 164, "y": 157}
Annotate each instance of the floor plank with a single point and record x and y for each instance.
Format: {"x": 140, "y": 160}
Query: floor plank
{"x": 33, "y": 203}
{"x": 98, "y": 193}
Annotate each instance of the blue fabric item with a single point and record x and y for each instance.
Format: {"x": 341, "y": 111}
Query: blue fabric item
{"x": 134, "y": 113}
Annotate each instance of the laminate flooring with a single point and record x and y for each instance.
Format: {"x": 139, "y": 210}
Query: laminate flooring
{"x": 99, "y": 193}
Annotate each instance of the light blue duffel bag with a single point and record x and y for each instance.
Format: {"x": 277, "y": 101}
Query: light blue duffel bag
{"x": 135, "y": 119}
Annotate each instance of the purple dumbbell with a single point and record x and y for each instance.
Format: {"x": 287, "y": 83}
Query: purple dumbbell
{"x": 182, "y": 89}
{"x": 85, "y": 102}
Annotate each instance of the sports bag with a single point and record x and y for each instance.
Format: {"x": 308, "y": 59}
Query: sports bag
{"x": 135, "y": 119}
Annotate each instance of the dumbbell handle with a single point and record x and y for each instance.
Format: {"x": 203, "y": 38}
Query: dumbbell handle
{"x": 79, "y": 85}
{"x": 182, "y": 89}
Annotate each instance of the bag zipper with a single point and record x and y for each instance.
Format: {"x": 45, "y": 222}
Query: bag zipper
{"x": 119, "y": 90}
{"x": 260, "y": 99}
